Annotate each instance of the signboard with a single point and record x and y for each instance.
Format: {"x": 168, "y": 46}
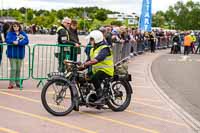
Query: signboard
{"x": 146, "y": 16}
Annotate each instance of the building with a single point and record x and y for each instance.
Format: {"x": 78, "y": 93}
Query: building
{"x": 7, "y": 19}
{"x": 132, "y": 18}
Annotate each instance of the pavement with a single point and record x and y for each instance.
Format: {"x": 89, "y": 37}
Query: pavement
{"x": 178, "y": 76}
{"x": 149, "y": 112}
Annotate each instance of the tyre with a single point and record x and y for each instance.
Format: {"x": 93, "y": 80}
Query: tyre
{"x": 57, "y": 97}
{"x": 121, "y": 91}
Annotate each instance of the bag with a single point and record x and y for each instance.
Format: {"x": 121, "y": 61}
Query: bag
{"x": 122, "y": 69}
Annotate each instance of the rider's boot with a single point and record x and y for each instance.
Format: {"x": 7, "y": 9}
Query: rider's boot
{"x": 100, "y": 97}
{"x": 76, "y": 105}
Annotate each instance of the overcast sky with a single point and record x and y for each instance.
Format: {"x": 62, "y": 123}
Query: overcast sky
{"x": 126, "y": 6}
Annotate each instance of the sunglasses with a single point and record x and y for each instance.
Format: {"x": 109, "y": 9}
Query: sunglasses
{"x": 67, "y": 23}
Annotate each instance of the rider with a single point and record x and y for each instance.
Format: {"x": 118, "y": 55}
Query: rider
{"x": 176, "y": 39}
{"x": 101, "y": 60}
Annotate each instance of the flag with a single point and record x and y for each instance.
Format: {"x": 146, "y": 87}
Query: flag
{"x": 145, "y": 23}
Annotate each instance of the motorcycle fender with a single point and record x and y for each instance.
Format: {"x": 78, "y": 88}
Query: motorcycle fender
{"x": 131, "y": 90}
{"x": 74, "y": 89}
{"x": 126, "y": 79}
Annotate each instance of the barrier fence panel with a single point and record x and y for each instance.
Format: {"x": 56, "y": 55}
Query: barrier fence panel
{"x": 121, "y": 52}
{"x": 13, "y": 66}
{"x": 47, "y": 58}
{"x": 163, "y": 42}
{"x": 126, "y": 50}
{"x": 140, "y": 46}
{"x": 117, "y": 49}
{"x": 135, "y": 48}
{"x": 147, "y": 44}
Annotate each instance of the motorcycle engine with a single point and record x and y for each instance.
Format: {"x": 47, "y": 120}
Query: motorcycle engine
{"x": 91, "y": 97}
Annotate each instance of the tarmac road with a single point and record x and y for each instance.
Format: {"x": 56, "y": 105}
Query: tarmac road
{"x": 179, "y": 77}
{"x": 22, "y": 111}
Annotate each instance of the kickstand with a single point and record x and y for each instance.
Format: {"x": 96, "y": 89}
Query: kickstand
{"x": 40, "y": 83}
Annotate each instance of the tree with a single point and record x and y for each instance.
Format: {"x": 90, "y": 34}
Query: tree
{"x": 101, "y": 15}
{"x": 95, "y": 24}
{"x": 159, "y": 19}
{"x": 16, "y": 14}
{"x": 29, "y": 15}
{"x": 117, "y": 23}
{"x": 82, "y": 25}
{"x": 60, "y": 14}
{"x": 182, "y": 16}
{"x": 48, "y": 18}
{"x": 22, "y": 10}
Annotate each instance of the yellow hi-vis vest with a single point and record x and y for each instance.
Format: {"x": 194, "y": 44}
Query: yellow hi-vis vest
{"x": 193, "y": 38}
{"x": 60, "y": 27}
{"x": 106, "y": 65}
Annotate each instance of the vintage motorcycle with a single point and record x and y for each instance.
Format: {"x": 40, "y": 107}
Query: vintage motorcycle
{"x": 65, "y": 92}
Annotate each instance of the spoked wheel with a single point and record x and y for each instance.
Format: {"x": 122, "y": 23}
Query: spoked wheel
{"x": 57, "y": 97}
{"x": 121, "y": 96}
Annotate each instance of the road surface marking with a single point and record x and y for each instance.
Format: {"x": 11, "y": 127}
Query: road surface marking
{"x": 120, "y": 122}
{"x": 6, "y": 130}
{"x": 138, "y": 63}
{"x": 152, "y": 106}
{"x": 197, "y": 60}
{"x": 139, "y": 72}
{"x": 190, "y": 60}
{"x": 138, "y": 99}
{"x": 147, "y": 100}
{"x": 17, "y": 90}
{"x": 171, "y": 59}
{"x": 139, "y": 78}
{"x": 137, "y": 86}
{"x": 156, "y": 118}
{"x": 184, "y": 58}
{"x": 89, "y": 114}
{"x": 46, "y": 119}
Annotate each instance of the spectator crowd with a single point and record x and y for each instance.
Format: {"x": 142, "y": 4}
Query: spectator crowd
{"x": 15, "y": 36}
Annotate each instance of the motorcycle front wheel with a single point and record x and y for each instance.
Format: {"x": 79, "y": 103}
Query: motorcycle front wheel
{"x": 57, "y": 97}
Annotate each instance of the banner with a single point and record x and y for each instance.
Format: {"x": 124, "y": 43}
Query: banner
{"x": 145, "y": 23}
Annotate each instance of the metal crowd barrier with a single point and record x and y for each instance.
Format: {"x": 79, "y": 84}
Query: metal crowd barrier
{"x": 141, "y": 46}
{"x": 121, "y": 52}
{"x": 165, "y": 42}
{"x": 13, "y": 69}
{"x": 47, "y": 58}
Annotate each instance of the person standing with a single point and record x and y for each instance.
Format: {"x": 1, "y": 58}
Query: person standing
{"x": 73, "y": 38}
{"x": 1, "y": 47}
{"x": 193, "y": 42}
{"x": 152, "y": 42}
{"x": 140, "y": 42}
{"x": 198, "y": 48}
{"x": 109, "y": 36}
{"x": 16, "y": 40}
{"x": 187, "y": 43}
{"x": 63, "y": 38}
{"x": 6, "y": 28}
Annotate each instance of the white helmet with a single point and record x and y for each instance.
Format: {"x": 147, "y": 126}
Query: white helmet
{"x": 192, "y": 34}
{"x": 96, "y": 35}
